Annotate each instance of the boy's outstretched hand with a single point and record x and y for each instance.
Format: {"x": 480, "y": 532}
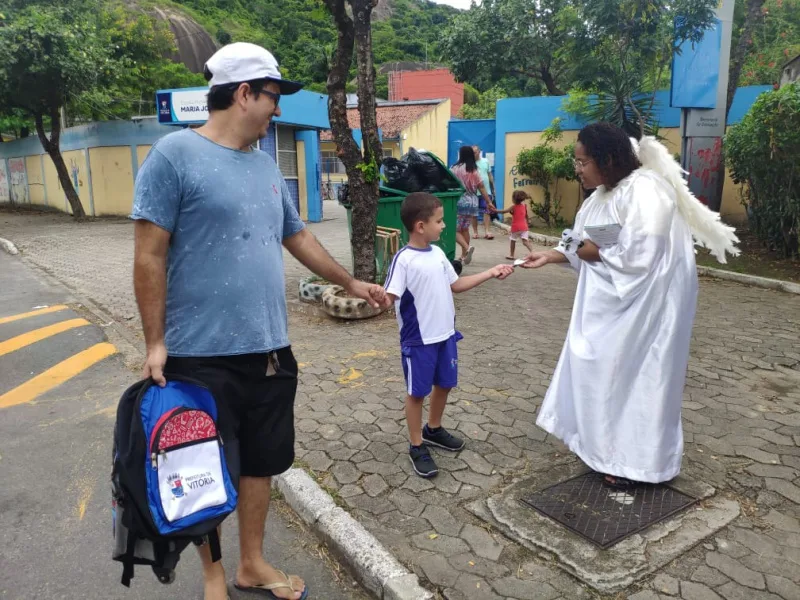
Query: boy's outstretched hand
{"x": 501, "y": 271}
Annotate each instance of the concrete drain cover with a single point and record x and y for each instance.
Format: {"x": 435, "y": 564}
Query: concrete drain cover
{"x": 604, "y": 515}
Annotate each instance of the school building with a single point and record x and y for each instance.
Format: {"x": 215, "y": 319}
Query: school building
{"x": 104, "y": 157}
{"x": 420, "y": 124}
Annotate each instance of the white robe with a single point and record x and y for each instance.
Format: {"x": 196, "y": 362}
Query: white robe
{"x": 615, "y": 398}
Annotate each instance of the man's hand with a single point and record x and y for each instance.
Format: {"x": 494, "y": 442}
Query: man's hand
{"x": 501, "y": 271}
{"x": 536, "y": 259}
{"x": 374, "y": 294}
{"x": 154, "y": 364}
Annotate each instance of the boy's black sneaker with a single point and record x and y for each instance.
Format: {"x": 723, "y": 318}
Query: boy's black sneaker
{"x": 441, "y": 438}
{"x": 422, "y": 461}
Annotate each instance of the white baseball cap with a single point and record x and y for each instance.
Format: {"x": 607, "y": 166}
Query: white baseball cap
{"x": 242, "y": 61}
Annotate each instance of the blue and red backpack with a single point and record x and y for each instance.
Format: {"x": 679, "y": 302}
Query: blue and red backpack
{"x": 174, "y": 479}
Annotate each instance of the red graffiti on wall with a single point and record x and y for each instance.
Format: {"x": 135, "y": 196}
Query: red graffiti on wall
{"x": 706, "y": 165}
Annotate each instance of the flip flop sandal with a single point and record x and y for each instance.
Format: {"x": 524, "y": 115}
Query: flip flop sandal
{"x": 468, "y": 256}
{"x": 266, "y": 588}
{"x": 488, "y": 236}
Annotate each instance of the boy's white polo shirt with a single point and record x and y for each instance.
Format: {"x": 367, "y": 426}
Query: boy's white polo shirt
{"x": 421, "y": 280}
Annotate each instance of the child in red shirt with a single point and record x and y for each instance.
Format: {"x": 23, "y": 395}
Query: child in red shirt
{"x": 519, "y": 222}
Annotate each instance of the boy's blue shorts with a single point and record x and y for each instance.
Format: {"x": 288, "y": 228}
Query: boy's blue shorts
{"x": 434, "y": 364}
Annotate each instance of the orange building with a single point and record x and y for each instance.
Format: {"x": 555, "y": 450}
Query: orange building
{"x": 426, "y": 85}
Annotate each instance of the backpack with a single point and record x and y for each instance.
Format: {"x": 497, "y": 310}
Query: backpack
{"x": 174, "y": 479}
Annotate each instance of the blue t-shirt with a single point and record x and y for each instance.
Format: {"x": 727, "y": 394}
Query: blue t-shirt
{"x": 228, "y": 212}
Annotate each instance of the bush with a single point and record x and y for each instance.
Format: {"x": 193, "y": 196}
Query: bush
{"x": 763, "y": 153}
{"x": 546, "y": 166}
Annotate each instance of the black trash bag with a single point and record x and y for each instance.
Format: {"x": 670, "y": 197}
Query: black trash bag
{"x": 399, "y": 176}
{"x": 433, "y": 176}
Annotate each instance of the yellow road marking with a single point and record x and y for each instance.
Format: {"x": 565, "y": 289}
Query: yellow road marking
{"x": 56, "y": 375}
{"x": 37, "y": 335}
{"x": 33, "y": 313}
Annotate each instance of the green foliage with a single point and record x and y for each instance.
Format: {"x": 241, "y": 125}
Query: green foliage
{"x": 371, "y": 170}
{"x": 100, "y": 61}
{"x": 545, "y": 166}
{"x": 775, "y": 42}
{"x": 485, "y": 106}
{"x": 302, "y": 34}
{"x": 517, "y": 39}
{"x": 763, "y": 153}
{"x": 48, "y": 55}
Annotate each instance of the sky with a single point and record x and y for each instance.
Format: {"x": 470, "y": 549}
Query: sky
{"x": 457, "y": 3}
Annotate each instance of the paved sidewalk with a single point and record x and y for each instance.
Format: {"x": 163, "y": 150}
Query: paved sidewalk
{"x": 741, "y": 417}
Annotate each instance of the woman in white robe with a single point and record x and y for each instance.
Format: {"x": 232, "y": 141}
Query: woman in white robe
{"x": 615, "y": 397}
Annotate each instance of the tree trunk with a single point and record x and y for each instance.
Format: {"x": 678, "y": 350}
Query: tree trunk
{"x": 362, "y": 175}
{"x": 753, "y": 20}
{"x": 51, "y": 146}
{"x": 550, "y": 83}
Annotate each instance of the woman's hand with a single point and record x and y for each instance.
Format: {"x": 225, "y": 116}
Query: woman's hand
{"x": 535, "y": 260}
{"x": 541, "y": 258}
{"x": 589, "y": 251}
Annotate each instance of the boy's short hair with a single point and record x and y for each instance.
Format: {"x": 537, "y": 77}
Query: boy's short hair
{"x": 418, "y": 206}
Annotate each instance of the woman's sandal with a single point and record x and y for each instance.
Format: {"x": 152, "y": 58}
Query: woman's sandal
{"x": 620, "y": 483}
{"x": 266, "y": 588}
{"x": 488, "y": 236}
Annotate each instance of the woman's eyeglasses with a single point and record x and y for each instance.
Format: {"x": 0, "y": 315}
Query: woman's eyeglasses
{"x": 581, "y": 164}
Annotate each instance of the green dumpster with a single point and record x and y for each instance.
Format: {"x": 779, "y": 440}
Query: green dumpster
{"x": 389, "y": 216}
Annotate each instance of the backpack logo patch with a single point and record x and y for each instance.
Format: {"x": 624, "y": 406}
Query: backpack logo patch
{"x": 176, "y": 485}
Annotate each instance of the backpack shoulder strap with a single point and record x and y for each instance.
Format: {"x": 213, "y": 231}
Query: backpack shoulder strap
{"x": 214, "y": 545}
{"x": 128, "y": 561}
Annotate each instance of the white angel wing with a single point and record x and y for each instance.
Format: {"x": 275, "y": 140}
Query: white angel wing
{"x": 706, "y": 227}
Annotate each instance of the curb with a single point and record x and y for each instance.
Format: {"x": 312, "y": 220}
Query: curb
{"x": 8, "y": 246}
{"x": 372, "y": 564}
{"x": 753, "y": 280}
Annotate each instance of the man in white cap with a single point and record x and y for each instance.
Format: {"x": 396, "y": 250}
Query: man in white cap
{"x": 212, "y": 216}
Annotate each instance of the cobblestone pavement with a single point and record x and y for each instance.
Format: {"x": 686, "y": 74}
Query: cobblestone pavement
{"x": 741, "y": 418}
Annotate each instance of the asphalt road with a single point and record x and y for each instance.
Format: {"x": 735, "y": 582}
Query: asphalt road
{"x": 60, "y": 380}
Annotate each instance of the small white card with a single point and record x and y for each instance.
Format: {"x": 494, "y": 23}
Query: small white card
{"x": 603, "y": 235}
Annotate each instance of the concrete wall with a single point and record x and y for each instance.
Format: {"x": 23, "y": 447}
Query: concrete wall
{"x": 102, "y": 160}
{"x": 428, "y": 132}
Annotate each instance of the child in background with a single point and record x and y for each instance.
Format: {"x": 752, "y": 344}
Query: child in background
{"x": 519, "y": 222}
{"x": 421, "y": 283}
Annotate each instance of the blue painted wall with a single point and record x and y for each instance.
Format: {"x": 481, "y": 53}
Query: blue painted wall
{"x": 462, "y": 132}
{"x": 516, "y": 115}
{"x": 313, "y": 175}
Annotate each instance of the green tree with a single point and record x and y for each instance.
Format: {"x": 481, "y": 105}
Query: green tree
{"x": 768, "y": 34}
{"x": 629, "y": 50}
{"x": 49, "y": 54}
{"x": 546, "y": 165}
{"x": 502, "y": 38}
{"x": 485, "y": 107}
{"x": 763, "y": 153}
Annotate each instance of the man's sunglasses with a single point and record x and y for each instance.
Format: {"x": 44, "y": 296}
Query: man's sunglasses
{"x": 276, "y": 98}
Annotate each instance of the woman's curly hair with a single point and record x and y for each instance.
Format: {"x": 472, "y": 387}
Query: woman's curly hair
{"x": 612, "y": 151}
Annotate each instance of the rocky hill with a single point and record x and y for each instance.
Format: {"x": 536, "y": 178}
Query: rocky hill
{"x": 300, "y": 32}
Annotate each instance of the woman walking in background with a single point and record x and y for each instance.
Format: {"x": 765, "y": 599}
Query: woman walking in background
{"x": 466, "y": 169}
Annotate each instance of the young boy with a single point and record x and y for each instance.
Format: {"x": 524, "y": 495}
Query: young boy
{"x": 421, "y": 282}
